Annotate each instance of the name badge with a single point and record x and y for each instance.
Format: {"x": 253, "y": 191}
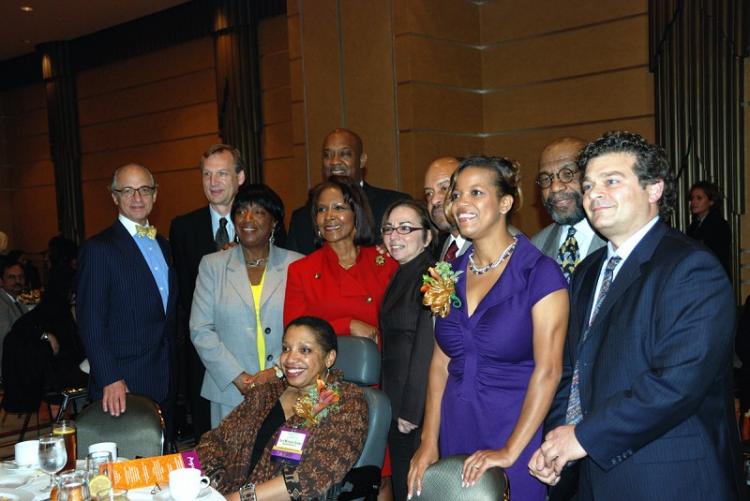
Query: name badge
{"x": 289, "y": 446}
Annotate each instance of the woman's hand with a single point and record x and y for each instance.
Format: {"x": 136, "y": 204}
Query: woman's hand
{"x": 405, "y": 426}
{"x": 426, "y": 455}
{"x": 362, "y": 329}
{"x": 243, "y": 382}
{"x": 476, "y": 464}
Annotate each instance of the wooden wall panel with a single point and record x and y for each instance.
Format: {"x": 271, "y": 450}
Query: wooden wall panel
{"x": 296, "y": 194}
{"x": 369, "y": 86}
{"x": 440, "y": 109}
{"x": 438, "y": 61}
{"x": 277, "y": 105}
{"x": 456, "y": 20}
{"x": 745, "y": 219}
{"x": 272, "y": 35}
{"x": 626, "y": 93}
{"x": 622, "y": 43}
{"x": 502, "y": 20}
{"x": 190, "y": 89}
{"x": 174, "y": 61}
{"x": 145, "y": 111}
{"x": 27, "y": 180}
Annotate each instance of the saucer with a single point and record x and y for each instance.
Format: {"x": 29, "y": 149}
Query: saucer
{"x": 164, "y": 495}
{"x": 15, "y": 495}
{"x": 12, "y": 479}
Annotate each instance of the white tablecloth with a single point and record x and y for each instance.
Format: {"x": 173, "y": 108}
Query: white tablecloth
{"x": 26, "y": 485}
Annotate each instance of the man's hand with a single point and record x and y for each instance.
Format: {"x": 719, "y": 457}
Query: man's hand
{"x": 539, "y": 469}
{"x": 113, "y": 399}
{"x": 561, "y": 446}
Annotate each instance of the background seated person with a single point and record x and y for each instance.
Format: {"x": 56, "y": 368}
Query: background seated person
{"x": 240, "y": 454}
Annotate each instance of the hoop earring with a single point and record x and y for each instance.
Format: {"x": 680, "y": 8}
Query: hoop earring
{"x": 270, "y": 238}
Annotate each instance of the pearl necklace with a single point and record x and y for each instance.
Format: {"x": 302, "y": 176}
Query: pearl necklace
{"x": 494, "y": 264}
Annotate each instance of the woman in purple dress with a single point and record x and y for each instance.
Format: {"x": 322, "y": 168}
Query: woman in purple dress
{"x": 498, "y": 356}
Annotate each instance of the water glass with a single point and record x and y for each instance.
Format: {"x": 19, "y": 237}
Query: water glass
{"x": 52, "y": 456}
{"x": 72, "y": 486}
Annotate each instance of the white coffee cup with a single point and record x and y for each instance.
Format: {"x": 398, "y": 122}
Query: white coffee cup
{"x": 186, "y": 483}
{"x": 110, "y": 447}
{"x": 27, "y": 453}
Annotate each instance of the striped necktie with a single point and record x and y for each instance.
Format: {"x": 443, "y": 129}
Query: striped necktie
{"x": 574, "y": 413}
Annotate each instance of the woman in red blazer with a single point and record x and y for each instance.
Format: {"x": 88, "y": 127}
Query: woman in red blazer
{"x": 344, "y": 281}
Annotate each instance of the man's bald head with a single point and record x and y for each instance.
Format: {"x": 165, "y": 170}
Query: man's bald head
{"x": 562, "y": 199}
{"x": 343, "y": 155}
{"x": 437, "y": 180}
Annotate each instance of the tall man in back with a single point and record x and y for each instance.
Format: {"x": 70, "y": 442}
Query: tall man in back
{"x": 343, "y": 155}
{"x": 645, "y": 399}
{"x": 570, "y": 238}
{"x": 192, "y": 236}
{"x": 126, "y": 300}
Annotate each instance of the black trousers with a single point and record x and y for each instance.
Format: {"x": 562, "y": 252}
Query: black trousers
{"x": 402, "y": 447}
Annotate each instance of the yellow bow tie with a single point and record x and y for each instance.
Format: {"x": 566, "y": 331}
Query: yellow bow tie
{"x": 145, "y": 231}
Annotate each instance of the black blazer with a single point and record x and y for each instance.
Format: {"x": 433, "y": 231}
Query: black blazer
{"x": 715, "y": 234}
{"x": 655, "y": 375}
{"x": 406, "y": 327}
{"x": 301, "y": 237}
{"x": 191, "y": 238}
{"x": 121, "y": 318}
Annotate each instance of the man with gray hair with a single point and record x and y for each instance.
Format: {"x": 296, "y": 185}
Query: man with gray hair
{"x": 569, "y": 238}
{"x": 126, "y": 300}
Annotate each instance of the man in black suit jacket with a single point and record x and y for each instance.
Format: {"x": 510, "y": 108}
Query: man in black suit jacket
{"x": 126, "y": 300}
{"x": 192, "y": 236}
{"x": 343, "y": 155}
{"x": 644, "y": 403}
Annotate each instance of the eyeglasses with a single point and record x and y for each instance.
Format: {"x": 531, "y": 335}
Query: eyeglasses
{"x": 564, "y": 175}
{"x": 401, "y": 230}
{"x": 144, "y": 191}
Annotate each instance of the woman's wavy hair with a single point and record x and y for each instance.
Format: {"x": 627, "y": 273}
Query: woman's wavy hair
{"x": 354, "y": 197}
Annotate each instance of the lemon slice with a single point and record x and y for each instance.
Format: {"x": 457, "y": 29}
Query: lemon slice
{"x": 99, "y": 484}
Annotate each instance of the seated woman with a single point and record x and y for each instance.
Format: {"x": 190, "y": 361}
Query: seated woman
{"x": 309, "y": 402}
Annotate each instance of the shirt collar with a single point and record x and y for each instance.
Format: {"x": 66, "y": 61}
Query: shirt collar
{"x": 129, "y": 224}
{"x": 626, "y": 248}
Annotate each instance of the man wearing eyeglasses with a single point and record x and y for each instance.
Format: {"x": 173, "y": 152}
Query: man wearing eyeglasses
{"x": 569, "y": 238}
{"x": 126, "y": 300}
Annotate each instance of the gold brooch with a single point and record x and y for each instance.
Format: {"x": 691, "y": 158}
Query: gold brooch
{"x": 380, "y": 260}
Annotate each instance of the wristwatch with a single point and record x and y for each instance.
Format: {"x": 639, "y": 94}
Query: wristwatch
{"x": 247, "y": 492}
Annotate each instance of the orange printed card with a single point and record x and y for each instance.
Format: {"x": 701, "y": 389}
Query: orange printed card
{"x": 147, "y": 472}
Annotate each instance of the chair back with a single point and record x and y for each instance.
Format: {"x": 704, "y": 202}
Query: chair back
{"x": 442, "y": 482}
{"x": 138, "y": 432}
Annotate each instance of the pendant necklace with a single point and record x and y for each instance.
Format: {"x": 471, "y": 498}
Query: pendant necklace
{"x": 494, "y": 264}
{"x": 255, "y": 263}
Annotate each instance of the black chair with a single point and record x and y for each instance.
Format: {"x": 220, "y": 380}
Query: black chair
{"x": 138, "y": 432}
{"x": 359, "y": 359}
{"x": 442, "y": 482}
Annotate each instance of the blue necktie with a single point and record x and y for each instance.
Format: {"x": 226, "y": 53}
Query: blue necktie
{"x": 568, "y": 255}
{"x": 574, "y": 414}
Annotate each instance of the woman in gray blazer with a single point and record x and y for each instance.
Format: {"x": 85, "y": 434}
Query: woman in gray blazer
{"x": 236, "y": 321}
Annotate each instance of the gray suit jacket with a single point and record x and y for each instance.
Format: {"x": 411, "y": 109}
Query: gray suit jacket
{"x": 222, "y": 318}
{"x": 8, "y": 315}
{"x": 547, "y": 241}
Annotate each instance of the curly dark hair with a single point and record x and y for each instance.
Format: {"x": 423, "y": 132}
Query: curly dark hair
{"x": 356, "y": 199}
{"x": 263, "y": 196}
{"x": 651, "y": 164}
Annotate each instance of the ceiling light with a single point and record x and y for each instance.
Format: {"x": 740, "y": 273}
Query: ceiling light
{"x": 27, "y": 8}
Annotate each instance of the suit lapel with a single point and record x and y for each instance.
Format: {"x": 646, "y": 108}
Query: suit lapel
{"x": 274, "y": 275}
{"x": 551, "y": 246}
{"x": 630, "y": 270}
{"x": 237, "y": 276}
{"x": 204, "y": 233}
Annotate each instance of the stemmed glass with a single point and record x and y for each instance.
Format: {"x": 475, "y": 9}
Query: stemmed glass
{"x": 52, "y": 456}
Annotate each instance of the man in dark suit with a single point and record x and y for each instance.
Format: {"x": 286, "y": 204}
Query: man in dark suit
{"x": 437, "y": 181}
{"x": 343, "y": 155}
{"x": 192, "y": 236}
{"x": 644, "y": 403}
{"x": 12, "y": 281}
{"x": 126, "y": 300}
{"x": 570, "y": 238}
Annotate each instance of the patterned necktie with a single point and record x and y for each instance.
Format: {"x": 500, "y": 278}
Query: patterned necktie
{"x": 574, "y": 414}
{"x": 568, "y": 255}
{"x": 222, "y": 235}
{"x": 145, "y": 231}
{"x": 450, "y": 253}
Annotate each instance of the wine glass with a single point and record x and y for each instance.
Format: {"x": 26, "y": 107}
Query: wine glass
{"x": 52, "y": 456}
